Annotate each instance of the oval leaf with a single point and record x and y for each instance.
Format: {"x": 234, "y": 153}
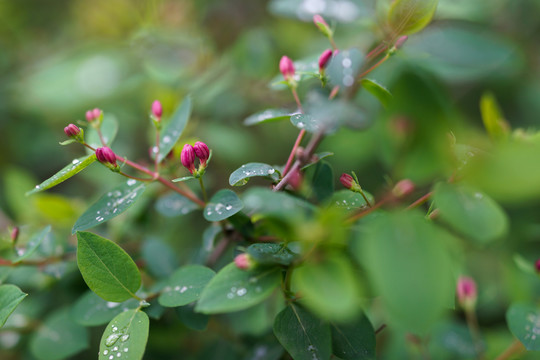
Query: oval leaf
{"x": 91, "y": 310}
{"x": 348, "y": 200}
{"x": 185, "y": 285}
{"x": 125, "y": 337}
{"x": 306, "y": 122}
{"x": 241, "y": 175}
{"x": 270, "y": 253}
{"x": 492, "y": 117}
{"x": 524, "y": 323}
{"x": 106, "y": 268}
{"x": 353, "y": 340}
{"x": 10, "y": 298}
{"x": 233, "y": 289}
{"x": 303, "y": 335}
{"x": 409, "y": 16}
{"x": 380, "y": 92}
{"x": 170, "y": 135}
{"x": 222, "y": 205}
{"x": 109, "y": 129}
{"x": 68, "y": 171}
{"x": 470, "y": 212}
{"x": 32, "y": 244}
{"x": 268, "y": 115}
{"x": 343, "y": 67}
{"x": 110, "y": 205}
{"x": 174, "y": 204}
{"x": 192, "y": 319}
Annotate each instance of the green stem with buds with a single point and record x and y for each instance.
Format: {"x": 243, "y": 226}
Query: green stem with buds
{"x": 205, "y": 197}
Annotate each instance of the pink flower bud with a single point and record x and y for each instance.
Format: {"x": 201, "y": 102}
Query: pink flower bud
{"x": 157, "y": 109}
{"x": 324, "y": 58}
{"x": 106, "y": 155}
{"x": 72, "y": 130}
{"x": 286, "y": 67}
{"x": 89, "y": 116}
{"x": 400, "y": 41}
{"x": 403, "y": 188}
{"x": 347, "y": 180}
{"x": 319, "y": 21}
{"x": 202, "y": 152}
{"x": 14, "y": 234}
{"x": 96, "y": 113}
{"x": 537, "y": 266}
{"x": 244, "y": 261}
{"x": 187, "y": 157}
{"x": 466, "y": 293}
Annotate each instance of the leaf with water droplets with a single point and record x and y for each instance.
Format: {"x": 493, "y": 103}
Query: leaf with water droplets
{"x": 185, "y": 285}
{"x": 233, "y": 289}
{"x": 174, "y": 204}
{"x": 91, "y": 310}
{"x": 59, "y": 337}
{"x": 354, "y": 339}
{"x": 270, "y": 253}
{"x": 225, "y": 203}
{"x": 68, "y": 171}
{"x": 268, "y": 115}
{"x": 106, "y": 268}
{"x": 110, "y": 205}
{"x": 343, "y": 67}
{"x": 125, "y": 337}
{"x": 10, "y": 298}
{"x": 32, "y": 244}
{"x": 175, "y": 127}
{"x": 241, "y": 175}
{"x": 109, "y": 129}
{"x": 350, "y": 201}
{"x": 470, "y": 212}
{"x": 524, "y": 323}
{"x": 303, "y": 335}
{"x": 380, "y": 92}
{"x": 306, "y": 122}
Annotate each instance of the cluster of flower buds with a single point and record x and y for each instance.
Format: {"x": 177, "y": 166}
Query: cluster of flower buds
{"x": 157, "y": 111}
{"x": 108, "y": 158}
{"x": 94, "y": 114}
{"x": 244, "y": 262}
{"x": 466, "y": 293}
{"x": 189, "y": 153}
{"x": 74, "y": 132}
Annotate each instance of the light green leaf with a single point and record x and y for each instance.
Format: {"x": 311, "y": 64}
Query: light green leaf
{"x": 170, "y": 135}
{"x": 233, "y": 289}
{"x": 33, "y": 244}
{"x": 268, "y": 115}
{"x": 10, "y": 297}
{"x": 303, "y": 335}
{"x": 409, "y": 16}
{"x": 241, "y": 175}
{"x": 109, "y": 129}
{"x": 492, "y": 117}
{"x": 59, "y": 337}
{"x": 91, "y": 310}
{"x": 106, "y": 268}
{"x": 185, "y": 285}
{"x": 524, "y": 323}
{"x": 110, "y": 205}
{"x": 348, "y": 200}
{"x": 380, "y": 92}
{"x": 225, "y": 203}
{"x": 73, "y": 168}
{"x": 126, "y": 335}
{"x": 262, "y": 201}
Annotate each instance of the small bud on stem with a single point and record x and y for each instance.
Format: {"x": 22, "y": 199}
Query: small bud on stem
{"x": 202, "y": 152}
{"x": 244, "y": 261}
{"x": 466, "y": 293}
{"x": 107, "y": 157}
{"x": 14, "y": 234}
{"x": 403, "y": 188}
{"x": 157, "y": 109}
{"x": 286, "y": 66}
{"x": 324, "y": 59}
{"x": 187, "y": 157}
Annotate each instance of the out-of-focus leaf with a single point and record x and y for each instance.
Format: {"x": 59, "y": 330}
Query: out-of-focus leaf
{"x": 126, "y": 335}
{"x": 270, "y": 253}
{"x": 68, "y": 171}
{"x": 192, "y": 319}
{"x": 343, "y": 67}
{"x": 337, "y": 10}
{"x": 185, "y": 285}
{"x": 353, "y": 339}
{"x": 322, "y": 182}
{"x": 32, "y": 244}
{"x": 492, "y": 117}
{"x": 160, "y": 258}
{"x": 109, "y": 129}
{"x": 170, "y": 135}
{"x": 348, "y": 200}
{"x": 241, "y": 175}
{"x": 110, "y": 205}
{"x": 91, "y": 310}
{"x": 318, "y": 157}
{"x": 455, "y": 339}
{"x": 265, "y": 202}
{"x": 225, "y": 203}
{"x": 174, "y": 204}
{"x": 524, "y": 323}
{"x": 409, "y": 16}
{"x": 268, "y": 115}
{"x": 10, "y": 297}
{"x": 380, "y": 92}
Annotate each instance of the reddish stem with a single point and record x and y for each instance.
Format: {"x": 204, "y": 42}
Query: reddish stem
{"x": 293, "y": 151}
{"x": 420, "y": 201}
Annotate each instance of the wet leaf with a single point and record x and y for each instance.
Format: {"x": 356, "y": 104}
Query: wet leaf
{"x": 268, "y": 115}
{"x": 174, "y": 204}
{"x": 343, "y": 67}
{"x": 185, "y": 285}
{"x": 270, "y": 253}
{"x": 241, "y": 175}
{"x": 33, "y": 244}
{"x": 225, "y": 203}
{"x": 10, "y": 298}
{"x": 524, "y": 323}
{"x": 126, "y": 335}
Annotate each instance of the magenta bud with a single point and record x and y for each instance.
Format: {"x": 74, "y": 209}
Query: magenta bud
{"x": 466, "y": 292}
{"x": 157, "y": 109}
{"x": 324, "y": 58}
{"x": 319, "y": 21}
{"x": 202, "y": 152}
{"x": 89, "y": 116}
{"x": 347, "y": 180}
{"x": 96, "y": 113}
{"x": 537, "y": 266}
{"x": 400, "y": 41}
{"x": 286, "y": 67}
{"x": 14, "y": 234}
{"x": 187, "y": 157}
{"x": 244, "y": 261}
{"x": 403, "y": 188}
{"x": 106, "y": 155}
{"x": 72, "y": 130}
{"x": 296, "y": 179}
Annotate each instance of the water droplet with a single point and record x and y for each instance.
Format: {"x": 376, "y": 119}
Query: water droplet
{"x": 478, "y": 195}
{"x": 118, "y": 354}
{"x": 111, "y": 305}
{"x": 346, "y": 63}
{"x": 112, "y": 339}
{"x": 271, "y": 171}
{"x": 166, "y": 139}
{"x": 131, "y": 182}
{"x": 230, "y": 295}
{"x": 118, "y": 193}
{"x": 74, "y": 162}
{"x": 126, "y": 349}
{"x": 105, "y": 352}
{"x": 114, "y": 328}
{"x": 241, "y": 292}
{"x": 154, "y": 149}
{"x": 228, "y": 207}
{"x": 111, "y": 357}
{"x": 300, "y": 124}
{"x": 183, "y": 289}
{"x": 348, "y": 80}
{"x": 125, "y": 338}
{"x": 100, "y": 218}
{"x": 115, "y": 348}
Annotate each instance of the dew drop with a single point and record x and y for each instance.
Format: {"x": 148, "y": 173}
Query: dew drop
{"x": 241, "y": 292}
{"x": 126, "y": 349}
{"x": 124, "y": 338}
{"x": 183, "y": 289}
{"x": 75, "y": 161}
{"x": 271, "y": 171}
{"x": 348, "y": 80}
{"x": 105, "y": 352}
{"x": 111, "y": 339}
{"x": 111, "y": 305}
{"x": 300, "y": 124}
{"x": 228, "y": 207}
{"x": 118, "y": 354}
{"x": 111, "y": 357}
{"x": 478, "y": 195}
{"x": 166, "y": 139}
{"x": 346, "y": 63}
{"x": 230, "y": 295}
{"x": 100, "y": 218}
{"x": 115, "y": 348}
{"x": 131, "y": 182}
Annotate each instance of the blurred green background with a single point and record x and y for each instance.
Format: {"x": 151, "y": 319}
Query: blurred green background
{"x": 61, "y": 58}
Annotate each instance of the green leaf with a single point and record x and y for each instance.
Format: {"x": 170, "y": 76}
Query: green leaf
{"x": 59, "y": 337}
{"x": 233, "y": 289}
{"x": 322, "y": 182}
{"x": 353, "y": 340}
{"x": 380, "y": 92}
{"x": 160, "y": 258}
{"x": 524, "y": 265}
{"x": 268, "y": 115}
{"x": 318, "y": 157}
{"x": 409, "y": 16}
{"x": 110, "y": 205}
{"x": 33, "y": 244}
{"x": 330, "y": 288}
{"x": 225, "y": 203}
{"x": 185, "y": 285}
{"x": 307, "y": 68}
{"x": 126, "y": 335}
{"x": 106, "y": 268}
{"x": 303, "y": 335}
{"x": 174, "y": 204}
{"x": 492, "y": 117}
{"x": 524, "y": 323}
{"x": 91, "y": 310}
{"x": 10, "y": 297}
{"x": 453, "y": 338}
{"x": 343, "y": 67}
{"x": 306, "y": 122}
{"x": 108, "y": 128}
{"x": 470, "y": 212}
{"x": 262, "y": 201}
{"x": 409, "y": 264}
{"x": 241, "y": 175}
{"x": 348, "y": 200}
{"x": 170, "y": 135}
{"x": 270, "y": 254}
{"x": 68, "y": 171}
{"x": 67, "y": 142}
{"x": 192, "y": 319}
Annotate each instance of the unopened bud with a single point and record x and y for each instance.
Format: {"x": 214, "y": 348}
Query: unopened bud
{"x": 187, "y": 157}
{"x": 400, "y": 41}
{"x": 244, "y": 261}
{"x": 403, "y": 188}
{"x": 322, "y": 25}
{"x": 202, "y": 152}
{"x": 96, "y": 113}
{"x": 89, "y": 116}
{"x": 466, "y": 293}
{"x": 72, "y": 130}
{"x": 296, "y": 179}
{"x": 537, "y": 266}
{"x": 106, "y": 156}
{"x": 14, "y": 234}
{"x": 323, "y": 59}
{"x": 157, "y": 109}
{"x": 286, "y": 67}
{"x": 349, "y": 182}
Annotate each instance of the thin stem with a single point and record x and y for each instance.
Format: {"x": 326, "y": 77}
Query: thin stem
{"x": 376, "y": 65}
{"x": 297, "y": 99}
{"x": 381, "y": 328}
{"x": 156, "y": 154}
{"x": 365, "y": 212}
{"x": 205, "y": 197}
{"x": 365, "y": 198}
{"x": 515, "y": 348}
{"x": 376, "y": 51}
{"x": 135, "y": 177}
{"x": 472, "y": 323}
{"x": 293, "y": 151}
{"x": 420, "y": 201}
{"x": 189, "y": 195}
{"x": 333, "y": 43}
{"x": 101, "y": 138}
{"x": 218, "y": 251}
